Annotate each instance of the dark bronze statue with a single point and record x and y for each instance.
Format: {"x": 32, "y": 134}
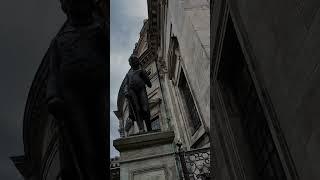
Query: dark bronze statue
{"x": 136, "y": 94}
{"x": 76, "y": 91}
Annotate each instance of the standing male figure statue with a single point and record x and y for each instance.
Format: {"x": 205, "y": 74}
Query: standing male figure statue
{"x": 136, "y": 94}
{"x": 76, "y": 91}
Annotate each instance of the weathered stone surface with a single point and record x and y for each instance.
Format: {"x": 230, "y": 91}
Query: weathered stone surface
{"x": 286, "y": 43}
{"x": 281, "y": 40}
{"x": 148, "y": 156}
{"x": 151, "y": 175}
{"x": 162, "y": 168}
{"x": 188, "y": 21}
{"x": 143, "y": 140}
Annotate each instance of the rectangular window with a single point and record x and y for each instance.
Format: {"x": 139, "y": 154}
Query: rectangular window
{"x": 191, "y": 109}
{"x": 245, "y": 97}
{"x": 242, "y": 102}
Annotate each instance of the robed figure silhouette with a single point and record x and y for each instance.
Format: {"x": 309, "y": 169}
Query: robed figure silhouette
{"x": 76, "y": 91}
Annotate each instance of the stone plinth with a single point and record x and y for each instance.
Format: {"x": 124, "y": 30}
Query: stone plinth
{"x": 147, "y": 156}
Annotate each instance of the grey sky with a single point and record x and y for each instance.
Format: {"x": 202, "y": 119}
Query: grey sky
{"x": 126, "y": 22}
{"x": 26, "y": 29}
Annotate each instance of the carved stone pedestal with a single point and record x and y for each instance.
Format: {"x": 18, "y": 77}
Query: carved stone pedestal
{"x": 147, "y": 156}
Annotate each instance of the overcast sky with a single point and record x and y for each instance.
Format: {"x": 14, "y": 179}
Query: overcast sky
{"x": 126, "y": 22}
{"x": 26, "y": 29}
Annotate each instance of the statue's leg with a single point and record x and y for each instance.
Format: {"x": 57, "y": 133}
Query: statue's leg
{"x": 148, "y": 123}
{"x": 144, "y": 103}
{"x": 136, "y": 109}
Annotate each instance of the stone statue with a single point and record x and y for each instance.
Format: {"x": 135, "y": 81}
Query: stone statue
{"x": 136, "y": 94}
{"x": 76, "y": 91}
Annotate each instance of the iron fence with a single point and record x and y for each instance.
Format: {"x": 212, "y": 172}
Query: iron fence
{"x": 195, "y": 164}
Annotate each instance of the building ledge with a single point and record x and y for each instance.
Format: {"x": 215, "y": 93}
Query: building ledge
{"x": 20, "y": 163}
{"x": 143, "y": 140}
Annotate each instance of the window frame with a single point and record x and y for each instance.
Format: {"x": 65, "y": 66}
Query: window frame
{"x": 194, "y": 135}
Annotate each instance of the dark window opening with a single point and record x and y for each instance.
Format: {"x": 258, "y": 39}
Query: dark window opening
{"x": 191, "y": 109}
{"x": 172, "y": 56}
{"x": 242, "y": 102}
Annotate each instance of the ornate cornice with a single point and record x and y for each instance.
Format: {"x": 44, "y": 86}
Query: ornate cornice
{"x": 147, "y": 57}
{"x": 154, "y": 24}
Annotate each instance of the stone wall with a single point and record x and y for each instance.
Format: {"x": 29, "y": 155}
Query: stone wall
{"x": 188, "y": 22}
{"x": 280, "y": 40}
{"x": 285, "y": 38}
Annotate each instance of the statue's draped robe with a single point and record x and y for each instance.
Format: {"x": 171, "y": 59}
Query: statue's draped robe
{"x": 77, "y": 75}
{"x": 135, "y": 82}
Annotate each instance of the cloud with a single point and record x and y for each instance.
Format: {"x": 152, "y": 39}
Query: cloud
{"x": 137, "y": 8}
{"x": 125, "y": 24}
{"x": 130, "y": 8}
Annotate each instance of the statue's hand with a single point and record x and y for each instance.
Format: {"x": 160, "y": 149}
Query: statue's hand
{"x": 56, "y": 106}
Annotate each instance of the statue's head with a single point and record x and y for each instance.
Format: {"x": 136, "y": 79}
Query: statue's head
{"x": 134, "y": 61}
{"x": 78, "y": 7}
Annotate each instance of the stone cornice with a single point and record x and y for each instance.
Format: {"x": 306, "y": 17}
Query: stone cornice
{"x": 147, "y": 57}
{"x": 143, "y": 140}
{"x": 154, "y": 24}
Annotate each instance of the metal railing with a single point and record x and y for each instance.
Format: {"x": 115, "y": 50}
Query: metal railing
{"x": 195, "y": 164}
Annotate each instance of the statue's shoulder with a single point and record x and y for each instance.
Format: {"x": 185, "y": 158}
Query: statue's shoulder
{"x": 130, "y": 71}
{"x": 69, "y": 32}
{"x": 63, "y": 34}
{"x": 53, "y": 45}
{"x": 141, "y": 71}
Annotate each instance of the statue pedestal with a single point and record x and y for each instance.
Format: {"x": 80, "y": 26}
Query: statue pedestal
{"x": 147, "y": 156}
